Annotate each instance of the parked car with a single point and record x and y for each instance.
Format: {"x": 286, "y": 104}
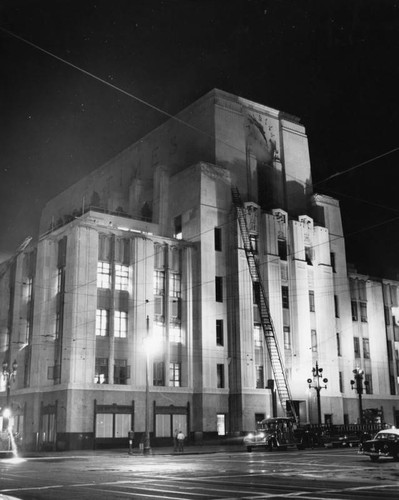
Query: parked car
{"x": 384, "y": 444}
{"x": 272, "y": 433}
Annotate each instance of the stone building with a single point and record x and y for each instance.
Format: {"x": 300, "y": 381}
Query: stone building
{"x": 135, "y": 305}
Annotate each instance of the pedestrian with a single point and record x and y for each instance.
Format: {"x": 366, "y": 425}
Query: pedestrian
{"x": 175, "y": 440}
{"x": 180, "y": 441}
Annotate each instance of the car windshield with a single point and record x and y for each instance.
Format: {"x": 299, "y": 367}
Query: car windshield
{"x": 386, "y": 437}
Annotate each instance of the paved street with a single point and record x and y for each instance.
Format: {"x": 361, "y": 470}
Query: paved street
{"x": 210, "y": 474}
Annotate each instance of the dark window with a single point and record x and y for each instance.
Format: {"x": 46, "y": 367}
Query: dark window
{"x": 178, "y": 228}
{"x": 220, "y": 376}
{"x": 356, "y": 345}
{"x": 354, "y": 310}
{"x": 219, "y": 288}
{"x": 284, "y": 293}
{"x": 218, "y": 239}
{"x": 332, "y": 257}
{"x": 368, "y": 383}
{"x": 311, "y": 301}
{"x": 260, "y": 381}
{"x": 121, "y": 371}
{"x": 282, "y": 249}
{"x": 336, "y": 306}
{"x": 341, "y": 382}
{"x": 159, "y": 373}
{"x": 62, "y": 248}
{"x": 387, "y": 314}
{"x": 308, "y": 256}
{"x": 219, "y": 332}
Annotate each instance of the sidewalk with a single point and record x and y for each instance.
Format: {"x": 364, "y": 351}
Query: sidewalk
{"x": 232, "y": 446}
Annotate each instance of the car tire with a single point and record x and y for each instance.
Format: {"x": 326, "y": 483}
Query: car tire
{"x": 374, "y": 459}
{"x": 249, "y": 448}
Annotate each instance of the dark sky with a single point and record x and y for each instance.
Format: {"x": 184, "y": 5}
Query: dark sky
{"x": 334, "y": 64}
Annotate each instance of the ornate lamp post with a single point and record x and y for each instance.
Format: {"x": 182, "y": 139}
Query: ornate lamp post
{"x": 357, "y": 384}
{"x": 317, "y": 375}
{"x": 9, "y": 374}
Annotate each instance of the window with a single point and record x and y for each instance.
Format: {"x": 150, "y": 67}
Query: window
{"x": 308, "y": 256}
{"x": 338, "y": 344}
{"x": 178, "y": 229}
{"x": 158, "y": 375}
{"x": 368, "y": 383}
{"x": 311, "y": 301}
{"x": 218, "y": 239}
{"x": 341, "y": 382}
{"x": 57, "y": 327}
{"x": 159, "y": 256}
{"x": 121, "y": 371}
{"x": 220, "y": 376}
{"x": 219, "y": 332}
{"x": 356, "y": 345}
{"x": 120, "y": 324}
{"x": 254, "y": 242}
{"x": 260, "y": 381}
{"x": 175, "y": 374}
{"x": 287, "y": 337}
{"x": 101, "y": 371}
{"x": 175, "y": 333}
{"x": 174, "y": 311}
{"x": 159, "y": 282}
{"x": 387, "y": 315}
{"x": 103, "y": 275}
{"x": 219, "y": 288}
{"x": 60, "y": 279}
{"x": 313, "y": 335}
{"x": 102, "y": 322}
{"x": 282, "y": 249}
{"x": 285, "y": 299}
{"x": 363, "y": 312}
{"x": 258, "y": 336}
{"x": 121, "y": 277}
{"x": 332, "y": 259}
{"x": 366, "y": 348}
{"x": 336, "y": 306}
{"x": 175, "y": 285}
{"x": 354, "y": 310}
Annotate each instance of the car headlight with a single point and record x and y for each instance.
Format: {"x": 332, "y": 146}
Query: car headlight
{"x": 262, "y": 434}
{"x": 250, "y": 435}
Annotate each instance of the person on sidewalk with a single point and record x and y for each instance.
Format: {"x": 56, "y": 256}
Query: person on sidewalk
{"x": 175, "y": 440}
{"x": 180, "y": 441}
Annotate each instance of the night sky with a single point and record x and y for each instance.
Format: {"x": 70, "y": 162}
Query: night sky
{"x": 334, "y": 64}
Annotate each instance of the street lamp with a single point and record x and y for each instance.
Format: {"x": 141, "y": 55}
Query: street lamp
{"x": 317, "y": 374}
{"x": 9, "y": 374}
{"x": 147, "y": 444}
{"x": 357, "y": 384}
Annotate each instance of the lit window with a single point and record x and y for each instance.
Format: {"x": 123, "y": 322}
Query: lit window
{"x": 120, "y": 324}
{"x": 159, "y": 282}
{"x": 175, "y": 333}
{"x": 174, "y": 285}
{"x": 60, "y": 279}
{"x": 121, "y": 277}
{"x": 366, "y": 348}
{"x": 103, "y": 275}
{"x": 287, "y": 337}
{"x": 174, "y": 374}
{"x": 258, "y": 336}
{"x": 101, "y": 371}
{"x": 102, "y": 322}
{"x": 363, "y": 312}
{"x": 314, "y": 340}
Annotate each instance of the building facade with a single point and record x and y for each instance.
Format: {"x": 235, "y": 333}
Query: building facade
{"x": 136, "y": 301}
